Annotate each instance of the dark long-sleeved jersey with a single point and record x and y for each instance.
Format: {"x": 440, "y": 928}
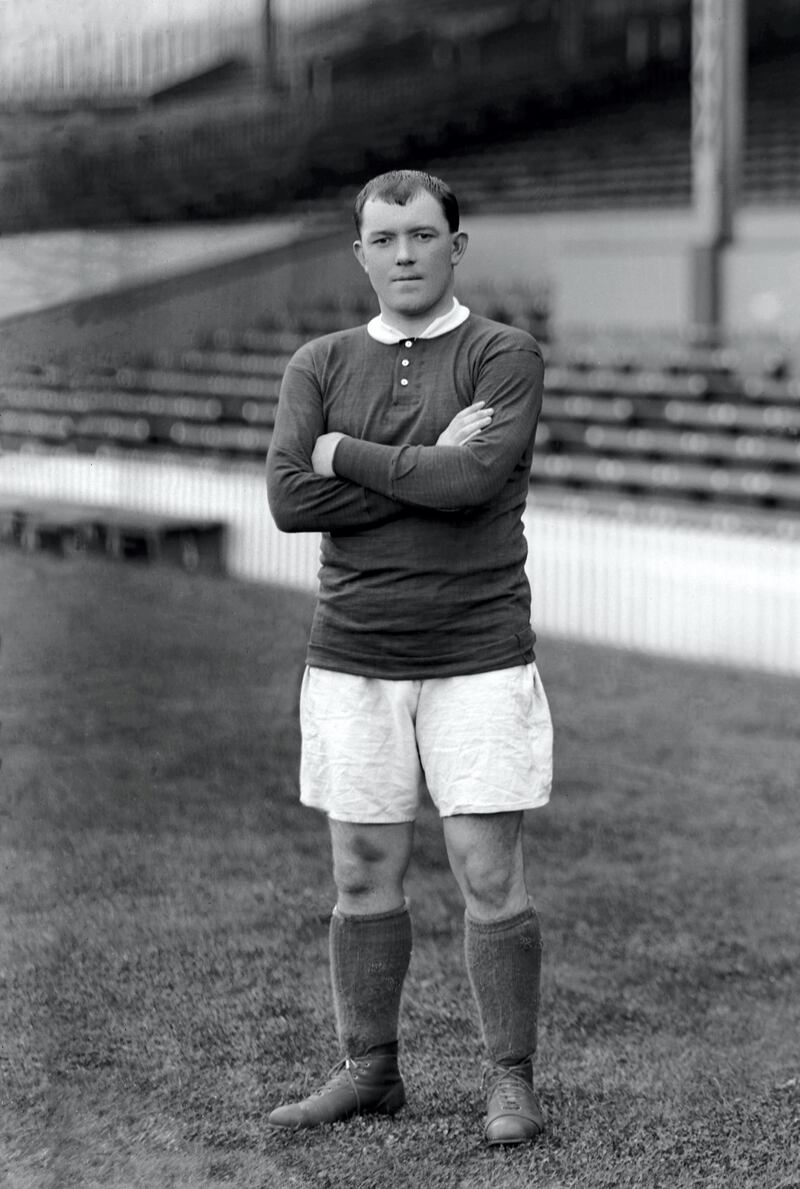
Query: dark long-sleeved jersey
{"x": 423, "y": 551}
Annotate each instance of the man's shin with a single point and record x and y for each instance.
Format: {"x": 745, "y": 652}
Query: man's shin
{"x": 369, "y": 958}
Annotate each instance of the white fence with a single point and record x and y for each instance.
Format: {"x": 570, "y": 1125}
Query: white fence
{"x": 677, "y": 589}
{"x": 101, "y": 61}
{"x": 104, "y": 59}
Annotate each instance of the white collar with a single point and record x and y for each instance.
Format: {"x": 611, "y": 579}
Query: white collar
{"x": 384, "y": 332}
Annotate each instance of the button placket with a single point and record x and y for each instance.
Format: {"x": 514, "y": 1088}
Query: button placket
{"x": 405, "y": 362}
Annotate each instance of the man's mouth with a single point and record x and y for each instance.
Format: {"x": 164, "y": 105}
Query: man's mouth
{"x": 409, "y": 278}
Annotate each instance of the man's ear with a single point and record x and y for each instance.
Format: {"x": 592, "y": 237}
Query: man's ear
{"x": 358, "y": 249}
{"x": 459, "y": 246}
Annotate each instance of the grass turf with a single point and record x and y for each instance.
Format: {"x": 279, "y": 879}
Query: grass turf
{"x": 163, "y": 969}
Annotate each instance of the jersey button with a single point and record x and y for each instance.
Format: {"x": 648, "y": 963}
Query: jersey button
{"x": 405, "y": 362}
{"x": 404, "y": 382}
{"x": 409, "y": 342}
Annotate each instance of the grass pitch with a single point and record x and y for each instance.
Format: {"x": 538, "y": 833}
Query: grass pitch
{"x": 163, "y": 969}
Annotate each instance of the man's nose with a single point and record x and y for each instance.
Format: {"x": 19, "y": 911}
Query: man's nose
{"x": 405, "y": 249}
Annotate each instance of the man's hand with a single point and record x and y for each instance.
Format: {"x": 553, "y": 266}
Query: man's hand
{"x": 462, "y": 429}
{"x": 465, "y": 425}
{"x": 322, "y": 454}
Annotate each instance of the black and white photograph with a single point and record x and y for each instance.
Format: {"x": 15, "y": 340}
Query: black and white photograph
{"x": 399, "y": 594}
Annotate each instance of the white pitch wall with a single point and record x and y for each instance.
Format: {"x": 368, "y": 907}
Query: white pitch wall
{"x": 678, "y": 589}
{"x": 685, "y": 591}
{"x": 255, "y": 548}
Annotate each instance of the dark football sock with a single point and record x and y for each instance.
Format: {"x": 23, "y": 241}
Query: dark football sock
{"x": 369, "y": 959}
{"x": 504, "y": 961}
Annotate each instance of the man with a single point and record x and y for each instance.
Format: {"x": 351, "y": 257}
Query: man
{"x": 408, "y": 444}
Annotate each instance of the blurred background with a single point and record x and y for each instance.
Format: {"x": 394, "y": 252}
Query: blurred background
{"x": 176, "y": 180}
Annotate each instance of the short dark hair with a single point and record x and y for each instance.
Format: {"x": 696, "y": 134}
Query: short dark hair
{"x": 400, "y": 186}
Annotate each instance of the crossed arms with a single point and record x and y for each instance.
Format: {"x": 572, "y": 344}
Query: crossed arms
{"x": 319, "y": 481}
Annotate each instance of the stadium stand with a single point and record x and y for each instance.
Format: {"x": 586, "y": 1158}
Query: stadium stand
{"x": 710, "y": 427}
{"x": 613, "y": 154}
{"x": 616, "y": 153}
{"x": 483, "y": 96}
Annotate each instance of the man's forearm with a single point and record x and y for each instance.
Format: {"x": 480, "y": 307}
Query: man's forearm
{"x": 441, "y": 477}
{"x": 456, "y": 477}
{"x": 301, "y": 501}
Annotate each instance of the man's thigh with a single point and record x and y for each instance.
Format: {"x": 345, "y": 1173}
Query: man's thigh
{"x": 486, "y": 741}
{"x": 359, "y": 760}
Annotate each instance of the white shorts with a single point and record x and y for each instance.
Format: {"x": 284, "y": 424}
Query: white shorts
{"x": 481, "y": 743}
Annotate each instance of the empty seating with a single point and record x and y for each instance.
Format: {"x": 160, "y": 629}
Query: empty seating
{"x": 740, "y": 417}
{"x": 640, "y": 417}
{"x": 680, "y": 479}
{"x": 714, "y": 425}
{"x": 730, "y": 448}
{"x": 231, "y": 156}
{"x": 634, "y": 154}
{"x": 227, "y": 362}
{"x": 146, "y": 407}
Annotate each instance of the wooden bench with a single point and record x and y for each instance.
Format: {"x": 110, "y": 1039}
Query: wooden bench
{"x": 192, "y": 543}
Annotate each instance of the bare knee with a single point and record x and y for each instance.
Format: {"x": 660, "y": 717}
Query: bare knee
{"x": 360, "y": 867}
{"x": 487, "y": 862}
{"x": 369, "y": 865}
{"x": 491, "y": 892}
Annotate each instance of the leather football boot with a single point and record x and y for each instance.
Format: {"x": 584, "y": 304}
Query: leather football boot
{"x": 369, "y": 1085}
{"x": 513, "y": 1113}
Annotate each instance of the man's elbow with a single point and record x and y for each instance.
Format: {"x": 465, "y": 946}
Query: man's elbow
{"x": 286, "y": 519}
{"x": 286, "y": 513}
{"x": 283, "y": 508}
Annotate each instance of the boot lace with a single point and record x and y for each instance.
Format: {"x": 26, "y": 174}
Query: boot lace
{"x": 339, "y": 1076}
{"x": 509, "y": 1086}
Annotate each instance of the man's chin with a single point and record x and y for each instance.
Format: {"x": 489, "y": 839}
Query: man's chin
{"x": 410, "y": 308}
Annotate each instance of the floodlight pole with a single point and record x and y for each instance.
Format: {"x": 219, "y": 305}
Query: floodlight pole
{"x": 268, "y": 45}
{"x": 719, "y": 72}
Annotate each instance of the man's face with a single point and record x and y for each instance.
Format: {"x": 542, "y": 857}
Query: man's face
{"x": 409, "y": 253}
